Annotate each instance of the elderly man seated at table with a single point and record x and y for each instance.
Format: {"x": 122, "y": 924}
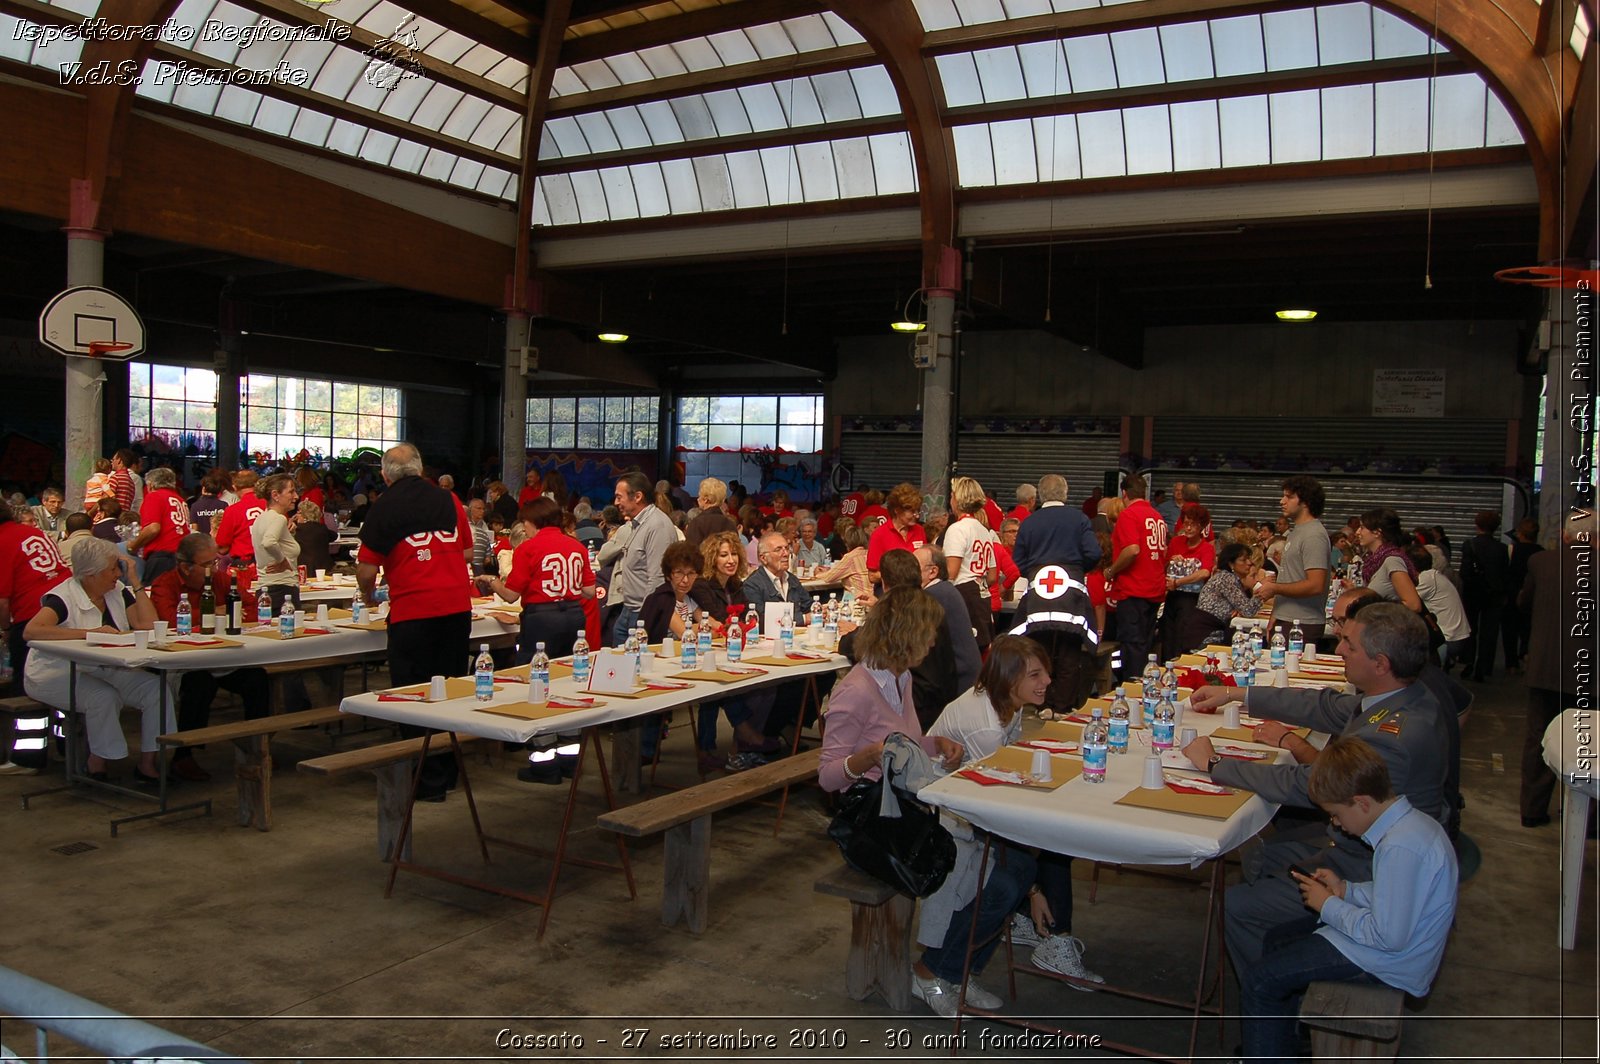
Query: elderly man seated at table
{"x": 197, "y": 564}
{"x": 103, "y": 595}
{"x": 1384, "y": 647}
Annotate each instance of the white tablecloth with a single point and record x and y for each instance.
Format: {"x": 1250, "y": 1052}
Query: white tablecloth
{"x": 1082, "y": 819}
{"x": 257, "y": 650}
{"x": 464, "y": 715}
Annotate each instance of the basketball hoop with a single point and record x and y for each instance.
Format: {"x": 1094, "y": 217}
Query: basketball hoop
{"x": 1554, "y": 275}
{"x": 101, "y": 347}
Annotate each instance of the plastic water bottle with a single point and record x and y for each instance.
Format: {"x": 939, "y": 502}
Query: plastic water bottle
{"x": 580, "y": 660}
{"x": 1095, "y": 735}
{"x": 752, "y": 625}
{"x": 286, "y": 619}
{"x": 1255, "y": 642}
{"x": 689, "y": 658}
{"x": 1279, "y": 645}
{"x": 631, "y": 645}
{"x": 263, "y": 606}
{"x": 483, "y": 675}
{"x": 358, "y": 609}
{"x": 185, "y": 616}
{"x": 1169, "y": 683}
{"x": 1163, "y": 724}
{"x": 735, "y": 641}
{"x": 786, "y": 632}
{"x": 703, "y": 642}
{"x": 1150, "y": 680}
{"x": 1297, "y": 639}
{"x": 538, "y": 676}
{"x": 1117, "y": 737}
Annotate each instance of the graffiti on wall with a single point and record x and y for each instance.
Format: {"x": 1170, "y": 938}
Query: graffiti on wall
{"x": 592, "y": 473}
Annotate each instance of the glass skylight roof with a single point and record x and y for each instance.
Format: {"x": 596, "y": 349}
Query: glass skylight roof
{"x": 864, "y": 92}
{"x": 15, "y": 43}
{"x": 803, "y": 173}
{"x": 1357, "y": 121}
{"x": 773, "y": 40}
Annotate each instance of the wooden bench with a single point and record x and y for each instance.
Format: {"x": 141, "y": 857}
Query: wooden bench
{"x": 685, "y": 817}
{"x": 880, "y": 936}
{"x": 1352, "y": 1021}
{"x": 252, "y": 754}
{"x": 393, "y": 764}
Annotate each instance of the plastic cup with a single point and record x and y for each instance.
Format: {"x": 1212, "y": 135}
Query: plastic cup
{"x": 322, "y": 574}
{"x": 322, "y": 613}
{"x": 161, "y": 630}
{"x": 1153, "y": 779}
{"x": 1186, "y": 737}
{"x": 436, "y": 690}
{"x": 1280, "y": 677}
{"x": 141, "y": 639}
{"x": 1230, "y": 715}
{"x": 1041, "y": 766}
{"x": 1291, "y": 661}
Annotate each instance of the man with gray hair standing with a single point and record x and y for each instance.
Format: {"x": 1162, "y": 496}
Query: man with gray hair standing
{"x": 650, "y": 531}
{"x": 1059, "y": 535}
{"x": 420, "y": 536}
{"x": 1027, "y": 502}
{"x": 163, "y": 521}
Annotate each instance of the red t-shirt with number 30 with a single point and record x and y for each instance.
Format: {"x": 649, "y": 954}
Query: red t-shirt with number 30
{"x": 1146, "y": 578}
{"x": 550, "y": 566}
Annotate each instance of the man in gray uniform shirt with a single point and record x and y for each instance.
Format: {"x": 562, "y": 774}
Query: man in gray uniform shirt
{"x": 1384, "y": 648}
{"x": 1301, "y": 586}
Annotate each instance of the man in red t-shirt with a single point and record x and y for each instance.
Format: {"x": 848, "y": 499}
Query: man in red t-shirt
{"x": 196, "y": 564}
{"x": 163, "y": 521}
{"x": 233, "y": 527}
{"x": 1027, "y": 501}
{"x": 1138, "y": 572}
{"x": 901, "y": 531}
{"x": 30, "y": 565}
{"x": 121, "y": 482}
{"x": 419, "y": 534}
{"x": 852, "y": 505}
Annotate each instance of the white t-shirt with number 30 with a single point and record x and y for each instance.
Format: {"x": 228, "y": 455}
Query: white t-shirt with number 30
{"x": 968, "y": 540}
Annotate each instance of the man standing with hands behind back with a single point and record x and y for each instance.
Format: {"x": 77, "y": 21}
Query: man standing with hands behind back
{"x": 419, "y": 534}
{"x": 650, "y": 531}
{"x": 1138, "y": 570}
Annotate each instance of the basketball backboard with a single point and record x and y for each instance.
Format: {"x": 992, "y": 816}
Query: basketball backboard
{"x": 90, "y": 322}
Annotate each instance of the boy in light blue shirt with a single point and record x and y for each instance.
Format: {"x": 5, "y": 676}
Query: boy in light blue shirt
{"x": 1391, "y": 929}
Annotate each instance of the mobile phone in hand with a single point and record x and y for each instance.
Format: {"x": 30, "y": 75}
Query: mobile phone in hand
{"x": 1301, "y": 870}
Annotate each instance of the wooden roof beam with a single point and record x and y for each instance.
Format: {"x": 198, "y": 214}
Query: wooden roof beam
{"x": 294, "y": 13}
{"x": 860, "y": 127}
{"x": 340, "y": 109}
{"x": 1092, "y": 20}
{"x": 1555, "y": 25}
{"x": 469, "y": 23}
{"x": 582, "y": 46}
{"x": 823, "y": 61}
{"x": 1382, "y": 70}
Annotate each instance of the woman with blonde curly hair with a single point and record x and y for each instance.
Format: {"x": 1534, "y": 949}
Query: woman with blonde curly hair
{"x": 901, "y": 531}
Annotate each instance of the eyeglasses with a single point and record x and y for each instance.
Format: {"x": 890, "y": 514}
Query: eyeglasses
{"x": 214, "y": 563}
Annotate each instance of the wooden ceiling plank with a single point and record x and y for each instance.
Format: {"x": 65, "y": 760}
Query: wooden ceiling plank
{"x": 1090, "y": 21}
{"x": 470, "y": 24}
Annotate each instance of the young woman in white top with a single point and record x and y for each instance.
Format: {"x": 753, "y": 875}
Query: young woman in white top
{"x": 277, "y": 551}
{"x": 969, "y": 553}
{"x": 1441, "y": 599}
{"x": 1016, "y": 675}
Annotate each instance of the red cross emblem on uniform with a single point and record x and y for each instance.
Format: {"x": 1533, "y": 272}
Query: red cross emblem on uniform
{"x": 1051, "y": 581}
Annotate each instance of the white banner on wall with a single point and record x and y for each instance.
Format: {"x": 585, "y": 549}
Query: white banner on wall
{"x": 1408, "y": 393}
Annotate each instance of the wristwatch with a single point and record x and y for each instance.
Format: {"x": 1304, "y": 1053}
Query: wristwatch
{"x": 1213, "y": 762}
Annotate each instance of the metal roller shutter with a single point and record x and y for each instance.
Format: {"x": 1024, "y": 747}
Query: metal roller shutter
{"x": 999, "y": 461}
{"x": 882, "y": 459}
{"x": 1466, "y": 446}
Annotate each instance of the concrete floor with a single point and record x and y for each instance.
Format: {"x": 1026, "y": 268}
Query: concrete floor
{"x": 281, "y": 945}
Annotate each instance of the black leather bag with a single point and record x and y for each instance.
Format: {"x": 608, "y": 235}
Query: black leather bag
{"x": 912, "y": 852}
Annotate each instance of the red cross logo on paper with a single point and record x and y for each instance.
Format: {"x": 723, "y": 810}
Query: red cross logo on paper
{"x": 1051, "y": 581}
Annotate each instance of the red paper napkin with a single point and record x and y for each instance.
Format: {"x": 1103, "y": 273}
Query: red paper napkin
{"x": 981, "y": 778}
{"x": 402, "y": 698}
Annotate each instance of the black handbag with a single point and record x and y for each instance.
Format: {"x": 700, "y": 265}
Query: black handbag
{"x": 912, "y": 852}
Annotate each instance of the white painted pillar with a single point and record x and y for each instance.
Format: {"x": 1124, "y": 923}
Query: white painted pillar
{"x": 85, "y": 406}
{"x": 514, "y": 403}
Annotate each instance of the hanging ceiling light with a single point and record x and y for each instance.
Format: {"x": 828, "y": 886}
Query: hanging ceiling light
{"x": 1296, "y": 315}
{"x": 906, "y": 324}
{"x": 612, "y": 338}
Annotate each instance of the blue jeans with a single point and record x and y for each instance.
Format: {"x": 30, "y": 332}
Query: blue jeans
{"x": 1270, "y": 990}
{"x": 623, "y": 625}
{"x": 1006, "y": 885}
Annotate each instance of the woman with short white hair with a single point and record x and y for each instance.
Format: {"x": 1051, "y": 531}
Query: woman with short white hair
{"x": 102, "y": 596}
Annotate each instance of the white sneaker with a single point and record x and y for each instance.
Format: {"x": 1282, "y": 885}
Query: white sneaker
{"x": 940, "y": 995}
{"x": 1063, "y": 955}
{"x": 1023, "y": 934}
{"x": 980, "y": 998}
{"x": 11, "y": 768}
